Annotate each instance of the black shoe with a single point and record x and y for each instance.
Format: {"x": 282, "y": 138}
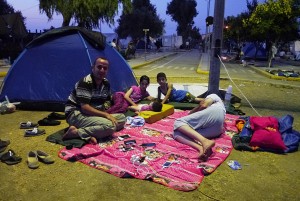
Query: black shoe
{"x": 56, "y": 116}
{"x": 10, "y": 158}
{"x": 3, "y": 145}
{"x": 48, "y": 122}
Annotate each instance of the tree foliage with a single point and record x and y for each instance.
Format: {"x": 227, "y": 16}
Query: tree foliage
{"x": 143, "y": 16}
{"x": 274, "y": 20}
{"x": 271, "y": 22}
{"x": 86, "y": 13}
{"x": 234, "y": 27}
{"x": 183, "y": 12}
{"x": 6, "y": 8}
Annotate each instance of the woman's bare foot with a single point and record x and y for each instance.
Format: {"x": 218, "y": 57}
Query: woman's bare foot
{"x": 71, "y": 133}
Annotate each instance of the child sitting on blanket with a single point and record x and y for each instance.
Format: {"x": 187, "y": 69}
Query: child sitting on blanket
{"x": 155, "y": 106}
{"x": 121, "y": 100}
{"x": 171, "y": 94}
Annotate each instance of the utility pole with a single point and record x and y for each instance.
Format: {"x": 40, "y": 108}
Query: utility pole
{"x": 217, "y": 40}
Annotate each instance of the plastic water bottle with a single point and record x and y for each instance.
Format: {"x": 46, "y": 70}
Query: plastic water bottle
{"x": 228, "y": 97}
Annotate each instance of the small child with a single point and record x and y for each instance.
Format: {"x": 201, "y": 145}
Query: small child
{"x": 155, "y": 106}
{"x": 171, "y": 94}
{"x": 121, "y": 100}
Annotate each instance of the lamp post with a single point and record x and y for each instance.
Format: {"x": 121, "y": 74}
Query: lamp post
{"x": 145, "y": 30}
{"x": 207, "y": 41}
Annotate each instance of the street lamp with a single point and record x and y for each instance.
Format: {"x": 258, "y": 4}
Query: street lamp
{"x": 145, "y": 30}
{"x": 207, "y": 28}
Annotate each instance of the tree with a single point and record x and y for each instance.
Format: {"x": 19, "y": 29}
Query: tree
{"x": 12, "y": 32}
{"x": 274, "y": 21}
{"x": 143, "y": 16}
{"x": 6, "y": 8}
{"x": 183, "y": 12}
{"x": 87, "y": 13}
{"x": 235, "y": 30}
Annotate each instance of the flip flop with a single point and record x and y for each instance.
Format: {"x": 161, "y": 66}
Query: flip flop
{"x": 10, "y": 158}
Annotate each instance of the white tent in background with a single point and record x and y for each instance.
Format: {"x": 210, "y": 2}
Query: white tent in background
{"x": 172, "y": 41}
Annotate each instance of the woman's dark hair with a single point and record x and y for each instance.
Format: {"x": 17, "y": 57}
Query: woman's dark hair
{"x": 145, "y": 77}
{"x": 161, "y": 74}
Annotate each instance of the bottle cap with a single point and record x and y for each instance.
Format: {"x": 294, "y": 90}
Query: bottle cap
{"x": 229, "y": 89}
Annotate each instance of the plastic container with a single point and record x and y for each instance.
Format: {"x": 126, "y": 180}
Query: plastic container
{"x": 228, "y": 97}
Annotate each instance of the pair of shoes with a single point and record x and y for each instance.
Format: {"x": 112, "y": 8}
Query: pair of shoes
{"x": 34, "y": 132}
{"x": 48, "y": 122}
{"x": 28, "y": 124}
{"x": 34, "y": 157}
{"x": 10, "y": 158}
{"x": 56, "y": 116}
{"x": 3, "y": 144}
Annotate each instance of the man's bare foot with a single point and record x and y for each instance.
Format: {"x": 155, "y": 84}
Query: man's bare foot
{"x": 71, "y": 133}
{"x": 207, "y": 149}
{"x": 93, "y": 140}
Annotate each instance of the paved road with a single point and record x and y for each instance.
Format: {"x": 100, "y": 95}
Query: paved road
{"x": 180, "y": 64}
{"x": 185, "y": 64}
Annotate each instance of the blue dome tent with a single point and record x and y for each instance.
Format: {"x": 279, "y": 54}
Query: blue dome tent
{"x": 45, "y": 73}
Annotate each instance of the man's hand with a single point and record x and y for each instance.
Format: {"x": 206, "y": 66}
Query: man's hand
{"x": 113, "y": 119}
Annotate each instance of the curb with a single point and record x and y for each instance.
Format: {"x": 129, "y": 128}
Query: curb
{"x": 152, "y": 61}
{"x": 262, "y": 72}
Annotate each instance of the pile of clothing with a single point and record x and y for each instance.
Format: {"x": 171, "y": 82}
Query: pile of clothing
{"x": 266, "y": 134}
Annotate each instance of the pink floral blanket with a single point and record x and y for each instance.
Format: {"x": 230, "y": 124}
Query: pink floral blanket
{"x": 149, "y": 152}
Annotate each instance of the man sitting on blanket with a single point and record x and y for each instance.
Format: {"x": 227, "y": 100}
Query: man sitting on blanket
{"x": 203, "y": 122}
{"x": 85, "y": 108}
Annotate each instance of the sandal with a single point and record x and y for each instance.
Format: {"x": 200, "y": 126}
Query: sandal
{"x": 28, "y": 124}
{"x": 10, "y": 158}
{"x": 48, "y": 122}
{"x": 34, "y": 132}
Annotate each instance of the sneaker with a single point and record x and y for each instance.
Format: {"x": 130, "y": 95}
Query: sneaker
{"x": 34, "y": 132}
{"x": 28, "y": 124}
